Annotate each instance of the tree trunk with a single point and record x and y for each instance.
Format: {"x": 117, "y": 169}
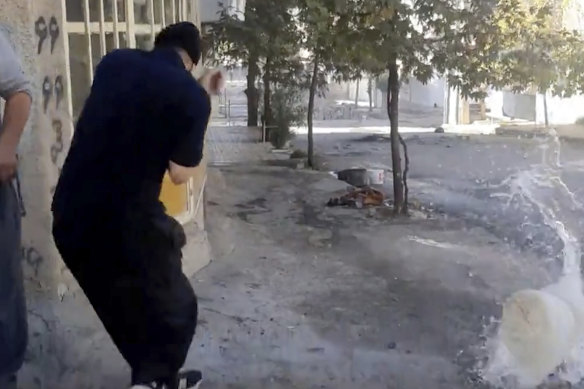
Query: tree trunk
{"x": 405, "y": 208}
{"x": 252, "y": 92}
{"x": 267, "y": 118}
{"x": 393, "y": 84}
{"x": 357, "y": 93}
{"x": 545, "y": 110}
{"x": 311, "y": 96}
{"x": 370, "y": 93}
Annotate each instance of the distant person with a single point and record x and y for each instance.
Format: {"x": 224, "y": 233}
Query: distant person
{"x": 16, "y": 92}
{"x": 145, "y": 115}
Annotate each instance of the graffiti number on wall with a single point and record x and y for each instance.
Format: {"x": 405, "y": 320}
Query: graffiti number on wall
{"x": 44, "y": 30}
{"x": 57, "y": 147}
{"x": 40, "y": 28}
{"x": 58, "y": 90}
{"x": 53, "y": 32}
{"x": 47, "y": 92}
{"x": 33, "y": 258}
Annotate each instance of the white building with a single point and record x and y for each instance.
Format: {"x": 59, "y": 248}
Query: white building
{"x": 527, "y": 106}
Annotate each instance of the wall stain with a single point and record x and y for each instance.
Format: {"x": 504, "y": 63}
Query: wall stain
{"x": 41, "y": 30}
{"x": 54, "y": 32}
{"x": 33, "y": 258}
{"x": 57, "y": 146}
{"x": 47, "y": 92}
{"x": 59, "y": 90}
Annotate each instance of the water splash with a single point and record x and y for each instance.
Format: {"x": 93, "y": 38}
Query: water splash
{"x": 541, "y": 188}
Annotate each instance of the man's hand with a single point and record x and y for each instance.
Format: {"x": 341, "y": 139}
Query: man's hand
{"x": 212, "y": 81}
{"x": 8, "y": 162}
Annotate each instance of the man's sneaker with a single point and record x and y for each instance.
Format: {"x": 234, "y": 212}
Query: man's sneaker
{"x": 190, "y": 379}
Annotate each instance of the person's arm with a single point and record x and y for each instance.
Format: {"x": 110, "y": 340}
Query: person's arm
{"x": 15, "y": 90}
{"x": 189, "y": 152}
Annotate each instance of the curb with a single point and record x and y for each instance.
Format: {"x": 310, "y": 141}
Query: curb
{"x": 536, "y": 132}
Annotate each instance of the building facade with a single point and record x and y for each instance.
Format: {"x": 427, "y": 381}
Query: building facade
{"x": 531, "y": 107}
{"x": 60, "y": 42}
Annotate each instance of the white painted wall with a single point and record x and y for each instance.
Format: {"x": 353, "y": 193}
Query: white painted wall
{"x": 560, "y": 111}
{"x": 209, "y": 9}
{"x": 531, "y": 107}
{"x": 519, "y": 106}
{"x": 427, "y": 95}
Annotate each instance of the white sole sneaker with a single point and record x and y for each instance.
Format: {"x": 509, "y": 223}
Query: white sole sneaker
{"x": 183, "y": 385}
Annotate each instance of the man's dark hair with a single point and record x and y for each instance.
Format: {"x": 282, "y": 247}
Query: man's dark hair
{"x": 183, "y": 35}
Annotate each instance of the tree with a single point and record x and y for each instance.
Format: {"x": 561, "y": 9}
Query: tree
{"x": 329, "y": 41}
{"x": 486, "y": 43}
{"x": 526, "y": 47}
{"x": 266, "y": 41}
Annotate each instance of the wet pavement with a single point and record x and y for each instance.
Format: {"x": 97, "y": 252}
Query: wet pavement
{"x": 304, "y": 296}
{"x": 465, "y": 176}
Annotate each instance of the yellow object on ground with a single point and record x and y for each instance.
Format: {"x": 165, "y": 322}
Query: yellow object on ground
{"x": 174, "y": 197}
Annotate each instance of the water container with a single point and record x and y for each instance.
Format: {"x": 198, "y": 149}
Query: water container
{"x": 539, "y": 329}
{"x": 356, "y": 177}
{"x": 376, "y": 176}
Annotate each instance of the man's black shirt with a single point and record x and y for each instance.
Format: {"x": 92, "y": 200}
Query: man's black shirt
{"x": 143, "y": 111}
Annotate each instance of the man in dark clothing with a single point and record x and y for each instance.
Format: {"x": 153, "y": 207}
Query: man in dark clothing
{"x": 145, "y": 115}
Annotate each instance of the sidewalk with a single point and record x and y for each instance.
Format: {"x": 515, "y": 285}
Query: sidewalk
{"x": 232, "y": 145}
{"x": 564, "y": 131}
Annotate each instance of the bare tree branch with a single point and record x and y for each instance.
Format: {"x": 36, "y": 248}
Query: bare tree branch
{"x": 405, "y": 175}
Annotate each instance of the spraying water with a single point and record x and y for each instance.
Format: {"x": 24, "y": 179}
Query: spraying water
{"x": 541, "y": 333}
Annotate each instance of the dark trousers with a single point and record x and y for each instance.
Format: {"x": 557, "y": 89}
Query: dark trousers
{"x": 13, "y": 324}
{"x": 130, "y": 270}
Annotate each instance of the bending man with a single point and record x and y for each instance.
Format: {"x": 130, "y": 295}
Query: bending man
{"x": 145, "y": 115}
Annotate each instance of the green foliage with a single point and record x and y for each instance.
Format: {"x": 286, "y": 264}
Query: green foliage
{"x": 289, "y": 109}
{"x": 298, "y": 154}
{"x": 498, "y": 43}
{"x": 381, "y": 83}
{"x": 267, "y": 31}
{"x": 522, "y": 46}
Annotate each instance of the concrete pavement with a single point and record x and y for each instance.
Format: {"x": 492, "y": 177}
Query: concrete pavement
{"x": 338, "y": 298}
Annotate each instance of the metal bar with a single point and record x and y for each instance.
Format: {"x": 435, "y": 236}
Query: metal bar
{"x": 102, "y": 45}
{"x": 65, "y": 32}
{"x": 152, "y": 28}
{"x": 88, "y": 36}
{"x": 173, "y": 8}
{"x": 79, "y": 28}
{"x": 163, "y": 13}
{"x": 115, "y": 24}
{"x": 130, "y": 24}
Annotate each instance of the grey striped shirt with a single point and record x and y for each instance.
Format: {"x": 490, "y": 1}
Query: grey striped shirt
{"x": 12, "y": 78}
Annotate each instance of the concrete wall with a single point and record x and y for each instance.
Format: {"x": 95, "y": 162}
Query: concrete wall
{"x": 560, "y": 111}
{"x": 209, "y": 9}
{"x": 68, "y": 346}
{"x": 41, "y": 150}
{"x": 519, "y": 106}
{"x": 532, "y": 107}
{"x": 429, "y": 95}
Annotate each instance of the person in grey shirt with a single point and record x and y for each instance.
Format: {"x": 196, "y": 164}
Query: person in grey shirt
{"x": 16, "y": 92}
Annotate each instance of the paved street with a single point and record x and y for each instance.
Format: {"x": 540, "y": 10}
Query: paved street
{"x": 338, "y": 298}
{"x": 462, "y": 175}
{"x": 304, "y": 296}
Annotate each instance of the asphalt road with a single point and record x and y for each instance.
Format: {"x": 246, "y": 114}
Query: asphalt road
{"x": 469, "y": 177}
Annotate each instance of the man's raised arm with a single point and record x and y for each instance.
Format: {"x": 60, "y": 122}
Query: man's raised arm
{"x": 186, "y": 159}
